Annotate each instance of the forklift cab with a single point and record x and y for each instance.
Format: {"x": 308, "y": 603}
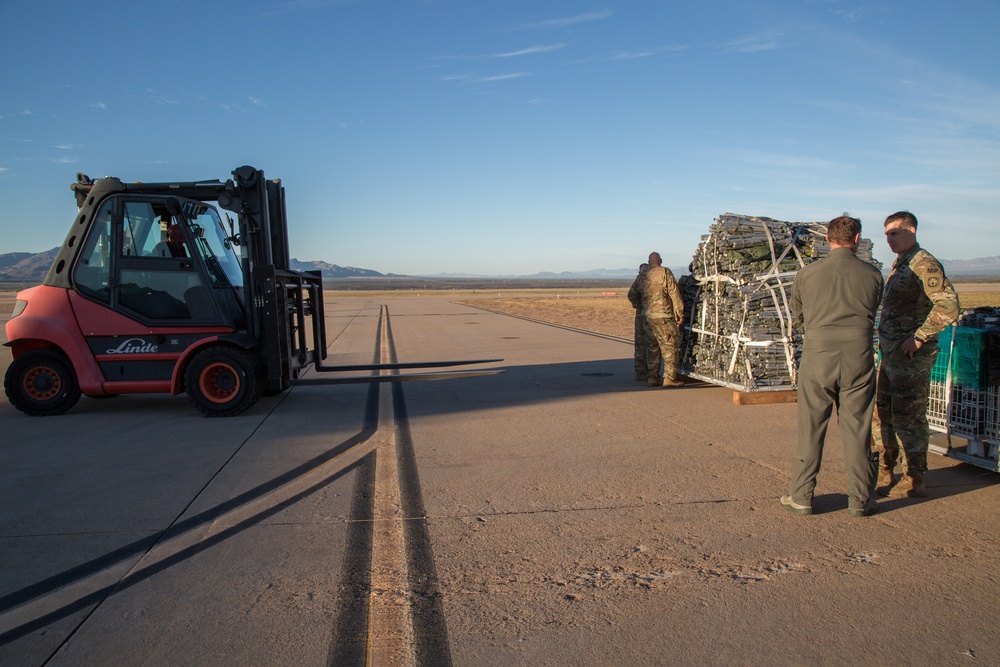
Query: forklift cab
{"x": 126, "y": 265}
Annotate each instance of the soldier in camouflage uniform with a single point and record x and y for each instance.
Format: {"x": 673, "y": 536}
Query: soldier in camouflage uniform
{"x": 639, "y": 336}
{"x": 663, "y": 312}
{"x": 919, "y": 302}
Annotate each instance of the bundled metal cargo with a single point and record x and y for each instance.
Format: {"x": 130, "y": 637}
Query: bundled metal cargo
{"x": 738, "y": 329}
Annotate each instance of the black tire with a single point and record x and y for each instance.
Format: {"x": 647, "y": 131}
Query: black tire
{"x": 223, "y": 381}
{"x": 41, "y": 383}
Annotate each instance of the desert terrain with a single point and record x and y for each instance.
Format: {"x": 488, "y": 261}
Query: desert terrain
{"x": 608, "y": 311}
{"x": 583, "y": 305}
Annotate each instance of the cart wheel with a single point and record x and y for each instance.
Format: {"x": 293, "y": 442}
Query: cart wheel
{"x": 223, "y": 381}
{"x": 41, "y": 383}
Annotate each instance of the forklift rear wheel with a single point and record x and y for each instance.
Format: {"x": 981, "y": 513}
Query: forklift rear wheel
{"x": 223, "y": 382}
{"x": 41, "y": 383}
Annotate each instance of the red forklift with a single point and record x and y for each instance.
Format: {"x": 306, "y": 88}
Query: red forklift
{"x": 153, "y": 292}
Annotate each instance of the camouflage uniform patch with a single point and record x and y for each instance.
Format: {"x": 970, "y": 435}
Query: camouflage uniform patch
{"x": 662, "y": 304}
{"x": 919, "y": 301}
{"x": 639, "y": 358}
{"x": 900, "y": 420}
{"x": 639, "y": 329}
{"x": 667, "y": 348}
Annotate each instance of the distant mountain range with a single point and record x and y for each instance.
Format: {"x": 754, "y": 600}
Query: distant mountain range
{"x": 26, "y": 267}
{"x": 332, "y": 270}
{"x": 594, "y": 274}
{"x": 984, "y": 267}
{"x": 30, "y": 268}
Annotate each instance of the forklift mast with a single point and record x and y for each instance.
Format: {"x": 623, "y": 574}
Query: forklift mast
{"x": 281, "y": 303}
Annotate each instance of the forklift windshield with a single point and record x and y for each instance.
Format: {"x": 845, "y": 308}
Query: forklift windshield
{"x": 212, "y": 243}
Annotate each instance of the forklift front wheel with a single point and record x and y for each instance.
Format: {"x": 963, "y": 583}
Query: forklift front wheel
{"x": 223, "y": 381}
{"x": 41, "y": 383}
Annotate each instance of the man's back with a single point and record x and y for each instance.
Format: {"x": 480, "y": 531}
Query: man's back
{"x": 660, "y": 295}
{"x": 837, "y": 297}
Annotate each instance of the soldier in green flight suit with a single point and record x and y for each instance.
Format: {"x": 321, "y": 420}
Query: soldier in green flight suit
{"x": 836, "y": 299}
{"x": 919, "y": 302}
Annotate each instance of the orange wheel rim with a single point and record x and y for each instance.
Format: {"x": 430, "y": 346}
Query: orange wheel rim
{"x": 42, "y": 383}
{"x": 219, "y": 382}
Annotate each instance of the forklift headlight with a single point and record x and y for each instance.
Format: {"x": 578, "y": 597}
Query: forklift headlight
{"x": 19, "y": 307}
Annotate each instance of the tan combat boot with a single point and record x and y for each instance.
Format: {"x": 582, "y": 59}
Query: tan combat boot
{"x": 884, "y": 483}
{"x": 911, "y": 486}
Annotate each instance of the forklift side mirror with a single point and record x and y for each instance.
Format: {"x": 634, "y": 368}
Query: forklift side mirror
{"x": 232, "y": 239}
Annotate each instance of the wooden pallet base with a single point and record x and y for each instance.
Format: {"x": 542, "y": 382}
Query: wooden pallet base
{"x": 764, "y": 397}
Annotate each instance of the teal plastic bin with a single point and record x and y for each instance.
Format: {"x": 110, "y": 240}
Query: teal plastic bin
{"x": 968, "y": 358}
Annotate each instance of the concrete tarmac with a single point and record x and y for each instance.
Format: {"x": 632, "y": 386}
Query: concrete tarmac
{"x": 558, "y": 514}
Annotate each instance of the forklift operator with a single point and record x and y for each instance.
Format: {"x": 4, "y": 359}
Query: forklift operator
{"x": 173, "y": 246}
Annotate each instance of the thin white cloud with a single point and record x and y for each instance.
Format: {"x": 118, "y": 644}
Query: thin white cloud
{"x": 971, "y": 159}
{"x": 65, "y": 160}
{"x": 4, "y": 169}
{"x": 850, "y": 15}
{"x": 99, "y": 105}
{"x": 782, "y": 160}
{"x": 918, "y": 193}
{"x": 954, "y": 97}
{"x": 66, "y": 147}
{"x": 256, "y": 101}
{"x": 531, "y": 50}
{"x": 158, "y": 98}
{"x": 26, "y": 112}
{"x": 476, "y": 78}
{"x": 572, "y": 20}
{"x": 292, "y": 6}
{"x": 768, "y": 40}
{"x": 502, "y": 77}
{"x": 932, "y": 93}
{"x": 630, "y": 55}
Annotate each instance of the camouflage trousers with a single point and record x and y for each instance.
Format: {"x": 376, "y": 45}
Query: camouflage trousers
{"x": 641, "y": 343}
{"x": 663, "y": 346}
{"x": 900, "y": 419}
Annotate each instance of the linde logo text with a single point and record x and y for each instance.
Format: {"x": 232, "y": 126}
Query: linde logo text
{"x": 133, "y": 345}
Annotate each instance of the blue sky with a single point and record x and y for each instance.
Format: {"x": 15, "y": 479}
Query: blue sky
{"x": 513, "y": 136}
